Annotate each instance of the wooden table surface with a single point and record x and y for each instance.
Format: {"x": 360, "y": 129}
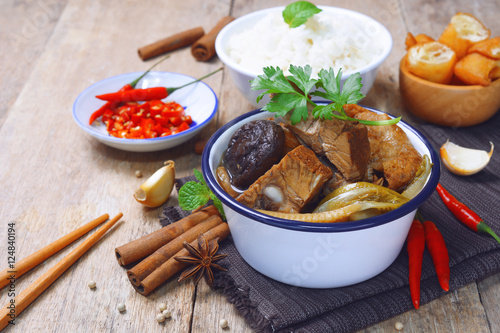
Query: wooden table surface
{"x": 54, "y": 177}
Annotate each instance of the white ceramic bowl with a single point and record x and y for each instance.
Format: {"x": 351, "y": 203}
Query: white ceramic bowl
{"x": 315, "y": 255}
{"x": 241, "y": 76}
{"x": 198, "y": 99}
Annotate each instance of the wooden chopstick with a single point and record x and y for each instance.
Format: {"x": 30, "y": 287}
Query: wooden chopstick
{"x": 43, "y": 282}
{"x": 43, "y": 254}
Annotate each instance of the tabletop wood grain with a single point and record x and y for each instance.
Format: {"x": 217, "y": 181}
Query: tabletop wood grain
{"x": 54, "y": 178}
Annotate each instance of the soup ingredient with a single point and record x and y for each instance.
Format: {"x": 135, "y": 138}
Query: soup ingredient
{"x": 399, "y": 326}
{"x": 160, "y": 318}
{"x": 415, "y": 247}
{"x": 252, "y": 150}
{"x": 297, "y": 13}
{"x": 170, "y": 267}
{"x": 203, "y": 259}
{"x": 203, "y": 49}
{"x": 464, "y": 161}
{"x": 296, "y": 99}
{"x": 418, "y": 182}
{"x": 225, "y": 182}
{"x": 345, "y": 144}
{"x": 131, "y": 85}
{"x": 157, "y": 188}
{"x": 290, "y": 185}
{"x": 166, "y": 314}
{"x": 338, "y": 215}
{"x": 439, "y": 253}
{"x": 121, "y": 307}
{"x": 463, "y": 31}
{"x": 138, "y": 173}
{"x": 92, "y": 284}
{"x": 223, "y": 323}
{"x": 464, "y": 214}
{"x": 150, "y": 264}
{"x": 391, "y": 150}
{"x": 193, "y": 195}
{"x": 162, "y": 307}
{"x": 147, "y": 244}
{"x": 432, "y": 61}
{"x": 171, "y": 43}
{"x": 475, "y": 68}
{"x": 358, "y": 192}
{"x": 145, "y": 121}
{"x": 147, "y": 94}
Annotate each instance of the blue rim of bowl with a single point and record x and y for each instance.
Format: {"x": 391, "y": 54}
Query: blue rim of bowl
{"x": 376, "y": 63}
{"x": 405, "y": 209}
{"x": 143, "y": 141}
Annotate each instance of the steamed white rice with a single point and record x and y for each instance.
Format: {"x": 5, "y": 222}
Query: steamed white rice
{"x": 325, "y": 41}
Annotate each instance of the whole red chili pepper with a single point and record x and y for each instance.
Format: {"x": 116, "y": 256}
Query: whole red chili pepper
{"x": 464, "y": 213}
{"x": 439, "y": 253}
{"x": 147, "y": 94}
{"x": 415, "y": 247}
{"x": 128, "y": 86}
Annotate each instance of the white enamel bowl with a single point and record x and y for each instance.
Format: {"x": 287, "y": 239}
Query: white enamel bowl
{"x": 198, "y": 99}
{"x": 315, "y": 255}
{"x": 370, "y": 29}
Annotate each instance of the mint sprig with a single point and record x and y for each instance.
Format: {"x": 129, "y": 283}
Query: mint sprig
{"x": 297, "y": 13}
{"x": 292, "y": 94}
{"x": 193, "y": 195}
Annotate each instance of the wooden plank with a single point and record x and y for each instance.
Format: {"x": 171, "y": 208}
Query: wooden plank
{"x": 26, "y": 27}
{"x": 74, "y": 178}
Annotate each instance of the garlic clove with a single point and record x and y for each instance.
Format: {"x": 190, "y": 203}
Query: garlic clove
{"x": 464, "y": 161}
{"x": 157, "y": 188}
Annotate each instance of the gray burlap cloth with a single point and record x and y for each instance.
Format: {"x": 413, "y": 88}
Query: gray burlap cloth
{"x": 270, "y": 306}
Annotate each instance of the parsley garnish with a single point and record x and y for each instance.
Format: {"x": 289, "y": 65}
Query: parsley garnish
{"x": 194, "y": 194}
{"x": 297, "y": 13}
{"x": 289, "y": 98}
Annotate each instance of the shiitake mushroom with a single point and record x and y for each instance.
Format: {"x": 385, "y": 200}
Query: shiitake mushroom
{"x": 253, "y": 149}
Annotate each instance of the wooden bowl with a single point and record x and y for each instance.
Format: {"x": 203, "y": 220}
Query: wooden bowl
{"x": 448, "y": 105}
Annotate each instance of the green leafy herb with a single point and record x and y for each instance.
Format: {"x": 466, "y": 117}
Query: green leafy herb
{"x": 297, "y": 13}
{"x": 194, "y": 194}
{"x": 292, "y": 94}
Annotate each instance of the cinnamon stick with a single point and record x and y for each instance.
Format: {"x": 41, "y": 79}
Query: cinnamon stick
{"x": 204, "y": 48}
{"x": 46, "y": 252}
{"x": 172, "y": 266}
{"x": 148, "y": 265}
{"x": 144, "y": 246}
{"x": 171, "y": 43}
{"x": 28, "y": 295}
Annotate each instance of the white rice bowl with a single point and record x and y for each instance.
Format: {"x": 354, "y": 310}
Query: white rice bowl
{"x": 324, "y": 41}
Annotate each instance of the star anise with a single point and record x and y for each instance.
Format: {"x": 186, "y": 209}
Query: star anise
{"x": 202, "y": 259}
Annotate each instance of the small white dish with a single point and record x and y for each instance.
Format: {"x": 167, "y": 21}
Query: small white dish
{"x": 198, "y": 99}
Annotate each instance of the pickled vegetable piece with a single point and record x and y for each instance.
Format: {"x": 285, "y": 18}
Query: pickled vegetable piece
{"x": 489, "y": 48}
{"x": 253, "y": 149}
{"x": 224, "y": 181}
{"x": 475, "y": 69}
{"x": 338, "y": 215}
{"x": 418, "y": 182}
{"x": 431, "y": 61}
{"x": 463, "y": 31}
{"x": 359, "y": 192}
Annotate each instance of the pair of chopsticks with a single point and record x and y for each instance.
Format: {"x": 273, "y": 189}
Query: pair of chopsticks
{"x": 43, "y": 282}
